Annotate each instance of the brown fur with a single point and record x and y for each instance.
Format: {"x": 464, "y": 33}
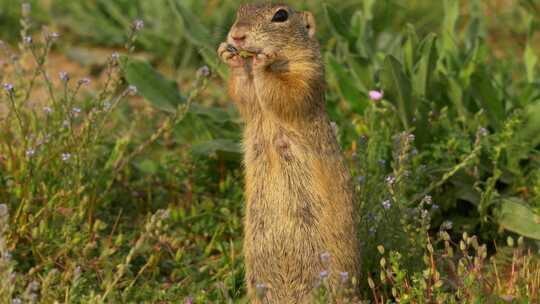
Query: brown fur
{"x": 299, "y": 197}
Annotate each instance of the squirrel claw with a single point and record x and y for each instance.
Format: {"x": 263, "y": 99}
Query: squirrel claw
{"x": 265, "y": 58}
{"x": 232, "y": 59}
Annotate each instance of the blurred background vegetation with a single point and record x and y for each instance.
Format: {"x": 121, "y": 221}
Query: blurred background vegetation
{"x": 460, "y": 76}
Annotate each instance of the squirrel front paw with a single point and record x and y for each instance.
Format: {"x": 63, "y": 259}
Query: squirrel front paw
{"x": 229, "y": 57}
{"x": 265, "y": 58}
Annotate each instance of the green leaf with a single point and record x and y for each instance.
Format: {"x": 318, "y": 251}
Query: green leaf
{"x": 335, "y": 20}
{"x": 530, "y": 133}
{"x": 147, "y": 166}
{"x": 530, "y": 56}
{"x": 517, "y": 217}
{"x": 486, "y": 96}
{"x": 226, "y": 148}
{"x": 152, "y": 85}
{"x": 214, "y": 113}
{"x": 347, "y": 88}
{"x": 397, "y": 89}
{"x": 196, "y": 32}
{"x": 424, "y": 69}
{"x": 409, "y": 48}
{"x": 451, "y": 9}
{"x": 362, "y": 70}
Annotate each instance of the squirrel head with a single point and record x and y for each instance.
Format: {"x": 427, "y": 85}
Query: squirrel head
{"x": 272, "y": 25}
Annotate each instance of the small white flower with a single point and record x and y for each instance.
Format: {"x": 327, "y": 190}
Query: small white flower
{"x": 387, "y": 204}
{"x": 66, "y": 156}
{"x": 54, "y": 36}
{"x": 9, "y": 87}
{"x": 64, "y": 76}
{"x": 132, "y": 89}
{"x": 325, "y": 257}
{"x": 344, "y": 276}
{"x": 390, "y": 180}
{"x": 30, "y": 152}
{"x": 27, "y": 40}
{"x": 47, "y": 110}
{"x": 323, "y": 274}
{"x": 76, "y": 111}
{"x": 138, "y": 25}
{"x": 447, "y": 225}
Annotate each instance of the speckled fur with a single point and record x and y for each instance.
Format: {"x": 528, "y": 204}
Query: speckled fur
{"x": 299, "y": 198}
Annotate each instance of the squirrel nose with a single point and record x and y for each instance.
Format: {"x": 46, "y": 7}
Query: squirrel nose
{"x": 238, "y": 35}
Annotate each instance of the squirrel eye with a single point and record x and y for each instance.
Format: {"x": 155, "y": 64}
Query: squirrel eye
{"x": 280, "y": 16}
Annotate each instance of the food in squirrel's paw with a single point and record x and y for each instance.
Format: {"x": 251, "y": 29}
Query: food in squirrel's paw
{"x": 241, "y": 53}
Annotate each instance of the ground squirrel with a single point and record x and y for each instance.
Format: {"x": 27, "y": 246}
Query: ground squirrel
{"x": 299, "y": 197}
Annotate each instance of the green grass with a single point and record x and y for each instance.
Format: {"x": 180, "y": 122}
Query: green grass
{"x": 129, "y": 189}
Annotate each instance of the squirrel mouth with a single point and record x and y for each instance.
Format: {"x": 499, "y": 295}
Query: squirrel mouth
{"x": 243, "y": 52}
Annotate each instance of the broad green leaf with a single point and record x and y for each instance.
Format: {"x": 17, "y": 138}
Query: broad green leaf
{"x": 362, "y": 71}
{"x": 397, "y": 89}
{"x": 487, "y": 98}
{"x": 409, "y": 48}
{"x": 197, "y": 33}
{"x": 448, "y": 35}
{"x": 424, "y": 69}
{"x": 531, "y": 130}
{"x": 530, "y": 56}
{"x": 348, "y": 89}
{"x": 147, "y": 166}
{"x": 335, "y": 20}
{"x": 152, "y": 85}
{"x": 214, "y": 113}
{"x": 517, "y": 217}
{"x": 455, "y": 93}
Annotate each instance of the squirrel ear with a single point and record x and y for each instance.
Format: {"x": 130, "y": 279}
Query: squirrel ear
{"x": 309, "y": 21}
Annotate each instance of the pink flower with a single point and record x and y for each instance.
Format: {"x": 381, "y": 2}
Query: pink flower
{"x": 376, "y": 95}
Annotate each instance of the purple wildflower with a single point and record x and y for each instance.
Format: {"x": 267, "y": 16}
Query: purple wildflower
{"x": 376, "y": 95}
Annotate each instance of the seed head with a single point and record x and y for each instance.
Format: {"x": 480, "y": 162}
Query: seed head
{"x": 203, "y": 71}
{"x": 3, "y": 210}
{"x": 84, "y": 81}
